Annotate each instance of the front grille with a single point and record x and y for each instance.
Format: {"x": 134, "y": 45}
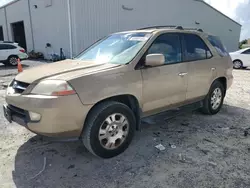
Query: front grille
{"x": 19, "y": 87}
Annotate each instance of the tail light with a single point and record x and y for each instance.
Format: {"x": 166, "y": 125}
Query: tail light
{"x": 22, "y": 50}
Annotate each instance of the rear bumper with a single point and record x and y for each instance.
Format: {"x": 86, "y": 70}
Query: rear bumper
{"x": 61, "y": 117}
{"x": 23, "y": 56}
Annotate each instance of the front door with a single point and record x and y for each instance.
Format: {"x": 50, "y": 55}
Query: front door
{"x": 245, "y": 57}
{"x": 165, "y": 85}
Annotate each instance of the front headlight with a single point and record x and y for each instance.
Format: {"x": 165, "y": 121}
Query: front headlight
{"x": 53, "y": 87}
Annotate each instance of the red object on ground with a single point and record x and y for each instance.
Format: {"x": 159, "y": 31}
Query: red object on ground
{"x": 19, "y": 66}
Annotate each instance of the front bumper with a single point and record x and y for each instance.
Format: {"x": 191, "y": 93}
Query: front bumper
{"x": 61, "y": 117}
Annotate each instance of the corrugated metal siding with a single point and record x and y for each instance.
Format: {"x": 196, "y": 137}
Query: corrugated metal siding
{"x": 16, "y": 12}
{"x": 96, "y": 18}
{"x": 3, "y": 23}
{"x": 50, "y": 25}
{"x": 92, "y": 20}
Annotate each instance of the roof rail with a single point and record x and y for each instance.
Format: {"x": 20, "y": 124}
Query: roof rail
{"x": 194, "y": 29}
{"x": 7, "y": 42}
{"x": 170, "y": 26}
{"x": 158, "y": 27}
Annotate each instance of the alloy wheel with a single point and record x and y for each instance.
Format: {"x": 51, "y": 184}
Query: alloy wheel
{"x": 113, "y": 131}
{"x": 216, "y": 98}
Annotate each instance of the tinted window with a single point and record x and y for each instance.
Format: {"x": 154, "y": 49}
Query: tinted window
{"x": 169, "y": 45}
{"x": 196, "y": 49}
{"x": 246, "y": 52}
{"x": 7, "y": 47}
{"x": 216, "y": 42}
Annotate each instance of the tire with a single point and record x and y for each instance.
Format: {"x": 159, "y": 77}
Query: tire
{"x": 96, "y": 121}
{"x": 208, "y": 107}
{"x": 237, "y": 64}
{"x": 12, "y": 60}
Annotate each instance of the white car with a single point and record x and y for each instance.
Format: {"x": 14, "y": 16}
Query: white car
{"x": 10, "y": 52}
{"x": 241, "y": 58}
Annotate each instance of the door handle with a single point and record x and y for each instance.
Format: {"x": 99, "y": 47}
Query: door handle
{"x": 183, "y": 73}
{"x": 213, "y": 69}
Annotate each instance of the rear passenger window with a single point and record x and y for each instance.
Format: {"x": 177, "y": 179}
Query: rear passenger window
{"x": 169, "y": 45}
{"x": 196, "y": 49}
{"x": 7, "y": 47}
{"x": 216, "y": 42}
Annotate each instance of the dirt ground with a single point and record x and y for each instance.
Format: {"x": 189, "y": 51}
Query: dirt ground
{"x": 211, "y": 151}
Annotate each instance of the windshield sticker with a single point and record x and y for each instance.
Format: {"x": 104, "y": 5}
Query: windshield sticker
{"x": 138, "y": 38}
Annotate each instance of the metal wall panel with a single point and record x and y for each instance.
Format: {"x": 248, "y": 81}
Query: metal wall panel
{"x": 16, "y": 12}
{"x": 50, "y": 25}
{"x": 3, "y": 23}
{"x": 96, "y": 18}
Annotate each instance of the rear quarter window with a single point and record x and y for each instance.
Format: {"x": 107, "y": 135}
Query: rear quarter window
{"x": 218, "y": 45}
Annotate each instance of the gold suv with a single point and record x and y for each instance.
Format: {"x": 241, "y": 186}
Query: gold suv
{"x": 101, "y": 95}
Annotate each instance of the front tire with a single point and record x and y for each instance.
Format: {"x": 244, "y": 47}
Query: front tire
{"x": 109, "y": 129}
{"x": 214, "y": 99}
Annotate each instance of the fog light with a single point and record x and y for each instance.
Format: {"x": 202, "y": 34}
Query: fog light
{"x": 34, "y": 116}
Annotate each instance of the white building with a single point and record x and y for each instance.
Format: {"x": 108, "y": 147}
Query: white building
{"x": 75, "y": 24}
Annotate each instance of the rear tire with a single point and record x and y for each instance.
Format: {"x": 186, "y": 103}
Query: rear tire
{"x": 238, "y": 64}
{"x": 104, "y": 134}
{"x": 12, "y": 60}
{"x": 214, "y": 99}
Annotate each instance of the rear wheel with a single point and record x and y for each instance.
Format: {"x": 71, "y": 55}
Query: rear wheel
{"x": 238, "y": 64}
{"x": 109, "y": 129}
{"x": 12, "y": 60}
{"x": 214, "y": 100}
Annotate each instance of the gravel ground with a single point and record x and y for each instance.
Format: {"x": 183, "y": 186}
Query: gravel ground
{"x": 211, "y": 151}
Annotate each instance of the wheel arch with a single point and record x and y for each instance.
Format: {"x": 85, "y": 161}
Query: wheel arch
{"x": 127, "y": 99}
{"x": 223, "y": 80}
{"x": 12, "y": 56}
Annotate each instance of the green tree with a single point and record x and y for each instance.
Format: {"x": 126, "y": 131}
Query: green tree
{"x": 241, "y": 43}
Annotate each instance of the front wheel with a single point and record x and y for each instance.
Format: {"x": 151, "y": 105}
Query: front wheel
{"x": 214, "y": 100}
{"x": 109, "y": 129}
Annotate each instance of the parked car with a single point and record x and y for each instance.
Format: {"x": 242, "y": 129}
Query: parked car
{"x": 241, "y": 58}
{"x": 10, "y": 52}
{"x": 101, "y": 95}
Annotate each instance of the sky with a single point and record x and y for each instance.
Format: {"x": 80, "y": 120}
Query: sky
{"x": 238, "y": 10}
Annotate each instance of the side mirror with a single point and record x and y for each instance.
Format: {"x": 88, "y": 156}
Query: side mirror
{"x": 153, "y": 60}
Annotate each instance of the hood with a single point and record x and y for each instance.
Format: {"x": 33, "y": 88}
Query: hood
{"x": 61, "y": 67}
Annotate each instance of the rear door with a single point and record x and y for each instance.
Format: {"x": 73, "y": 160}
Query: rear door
{"x": 2, "y": 54}
{"x": 201, "y": 69}
{"x": 6, "y": 50}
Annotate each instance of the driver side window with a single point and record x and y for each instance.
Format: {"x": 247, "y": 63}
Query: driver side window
{"x": 169, "y": 45}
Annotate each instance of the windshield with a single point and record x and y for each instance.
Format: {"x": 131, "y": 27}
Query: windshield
{"x": 118, "y": 48}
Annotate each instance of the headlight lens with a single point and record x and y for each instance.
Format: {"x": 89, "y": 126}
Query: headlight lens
{"x": 53, "y": 87}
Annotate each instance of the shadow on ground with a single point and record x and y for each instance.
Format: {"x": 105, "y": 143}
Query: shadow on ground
{"x": 211, "y": 151}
